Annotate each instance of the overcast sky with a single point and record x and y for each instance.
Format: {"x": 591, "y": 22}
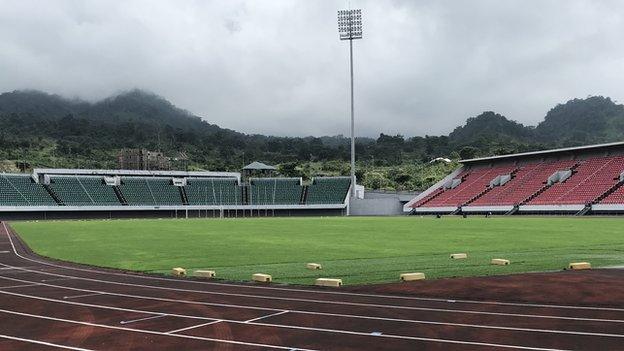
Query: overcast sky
{"x": 277, "y": 67}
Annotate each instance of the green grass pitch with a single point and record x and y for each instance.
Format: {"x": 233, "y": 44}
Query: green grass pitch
{"x": 358, "y": 249}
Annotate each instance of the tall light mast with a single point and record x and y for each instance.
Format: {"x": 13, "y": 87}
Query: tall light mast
{"x": 350, "y": 28}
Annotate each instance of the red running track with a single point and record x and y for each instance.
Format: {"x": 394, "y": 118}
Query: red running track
{"x": 49, "y": 305}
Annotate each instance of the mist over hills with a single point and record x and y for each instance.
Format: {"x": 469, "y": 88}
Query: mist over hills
{"x": 49, "y": 130}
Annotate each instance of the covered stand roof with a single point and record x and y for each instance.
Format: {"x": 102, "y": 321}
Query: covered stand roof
{"x": 258, "y": 166}
{"x": 550, "y": 152}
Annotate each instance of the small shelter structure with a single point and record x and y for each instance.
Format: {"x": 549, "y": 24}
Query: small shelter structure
{"x": 258, "y": 169}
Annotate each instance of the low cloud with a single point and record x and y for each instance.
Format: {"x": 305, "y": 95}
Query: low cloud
{"x": 278, "y": 67}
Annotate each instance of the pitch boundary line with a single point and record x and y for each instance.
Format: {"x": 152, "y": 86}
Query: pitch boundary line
{"x": 445, "y": 300}
{"x": 252, "y": 322}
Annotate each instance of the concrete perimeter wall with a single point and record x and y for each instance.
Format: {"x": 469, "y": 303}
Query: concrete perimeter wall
{"x": 386, "y": 206}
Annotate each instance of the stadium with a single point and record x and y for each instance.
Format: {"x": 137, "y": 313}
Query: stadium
{"x": 129, "y": 223}
{"x": 207, "y": 228}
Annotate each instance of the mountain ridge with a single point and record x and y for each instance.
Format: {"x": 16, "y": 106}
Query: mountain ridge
{"x": 91, "y": 133}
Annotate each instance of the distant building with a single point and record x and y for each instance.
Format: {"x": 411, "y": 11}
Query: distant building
{"x": 143, "y": 159}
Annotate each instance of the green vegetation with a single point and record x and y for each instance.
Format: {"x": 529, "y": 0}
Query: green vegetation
{"x": 358, "y": 250}
{"x": 42, "y": 130}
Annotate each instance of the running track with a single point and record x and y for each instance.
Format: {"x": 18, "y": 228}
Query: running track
{"x": 46, "y": 305}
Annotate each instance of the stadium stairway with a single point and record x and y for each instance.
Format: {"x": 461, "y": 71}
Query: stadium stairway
{"x": 304, "y": 194}
{"x": 610, "y": 191}
{"x": 245, "y": 194}
{"x": 183, "y": 195}
{"x": 489, "y": 188}
{"x": 120, "y": 196}
{"x": 548, "y": 186}
{"x": 535, "y": 194}
{"x": 512, "y": 211}
{"x": 53, "y": 195}
{"x": 584, "y": 211}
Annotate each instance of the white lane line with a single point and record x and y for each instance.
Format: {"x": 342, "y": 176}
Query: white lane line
{"x": 341, "y": 303}
{"x": 143, "y": 297}
{"x": 455, "y": 342}
{"x": 193, "y": 327}
{"x": 309, "y": 291}
{"x": 182, "y": 336}
{"x": 267, "y": 316}
{"x": 323, "y": 314}
{"x": 16, "y": 267}
{"x": 55, "y": 280}
{"x": 39, "y": 342}
{"x": 79, "y": 296}
{"x": 3, "y": 252}
{"x": 142, "y": 319}
{"x": 19, "y": 286}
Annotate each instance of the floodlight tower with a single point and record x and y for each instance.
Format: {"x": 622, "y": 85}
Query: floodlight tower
{"x": 350, "y": 28}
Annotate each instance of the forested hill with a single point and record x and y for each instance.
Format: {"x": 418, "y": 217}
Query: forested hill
{"x": 48, "y": 130}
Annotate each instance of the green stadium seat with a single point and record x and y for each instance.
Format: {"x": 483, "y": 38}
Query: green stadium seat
{"x": 83, "y": 191}
{"x": 213, "y": 191}
{"x": 328, "y": 190}
{"x": 21, "y": 190}
{"x": 275, "y": 191}
{"x": 150, "y": 191}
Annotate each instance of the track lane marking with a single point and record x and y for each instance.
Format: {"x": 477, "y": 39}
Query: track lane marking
{"x": 324, "y": 314}
{"x": 193, "y": 327}
{"x": 342, "y": 303}
{"x": 39, "y": 342}
{"x": 271, "y": 325}
{"x": 267, "y": 316}
{"x": 19, "y": 286}
{"x": 148, "y": 331}
{"x": 310, "y": 291}
{"x": 55, "y": 280}
{"x": 79, "y": 296}
{"x": 143, "y": 297}
{"x": 142, "y": 319}
{"x": 456, "y": 342}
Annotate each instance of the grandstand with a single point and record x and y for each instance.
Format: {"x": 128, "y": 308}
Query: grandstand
{"x": 213, "y": 192}
{"x": 21, "y": 190}
{"x": 578, "y": 180}
{"x": 277, "y": 191}
{"x": 82, "y": 191}
{"x": 67, "y": 193}
{"x": 327, "y": 190}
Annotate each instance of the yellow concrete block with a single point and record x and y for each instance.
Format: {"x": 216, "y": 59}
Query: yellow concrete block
{"x": 408, "y": 277}
{"x": 500, "y": 261}
{"x": 328, "y": 282}
{"x": 203, "y": 273}
{"x": 313, "y": 266}
{"x": 178, "y": 271}
{"x": 579, "y": 265}
{"x": 260, "y": 277}
{"x": 459, "y": 256}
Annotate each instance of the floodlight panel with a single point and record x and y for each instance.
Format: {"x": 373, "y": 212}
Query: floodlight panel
{"x": 350, "y": 24}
